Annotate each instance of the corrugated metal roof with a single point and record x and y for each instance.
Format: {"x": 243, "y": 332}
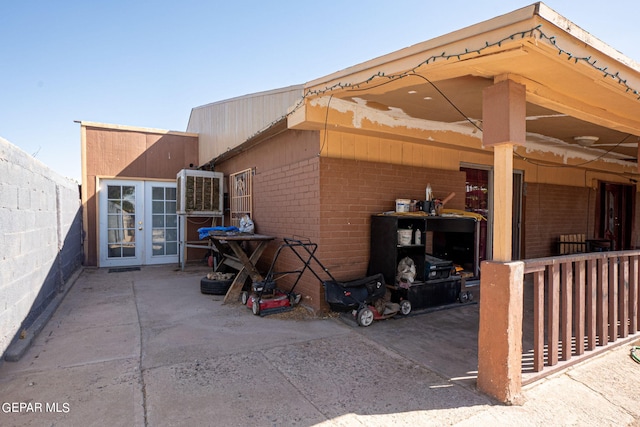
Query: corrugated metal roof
{"x": 224, "y": 125}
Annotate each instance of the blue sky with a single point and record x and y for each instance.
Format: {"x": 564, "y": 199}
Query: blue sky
{"x": 147, "y": 63}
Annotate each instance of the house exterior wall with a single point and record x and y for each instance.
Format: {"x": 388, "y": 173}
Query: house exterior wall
{"x": 552, "y": 210}
{"x": 354, "y": 190}
{"x": 329, "y": 198}
{"x": 286, "y": 200}
{"x": 329, "y": 201}
{"x": 129, "y": 153}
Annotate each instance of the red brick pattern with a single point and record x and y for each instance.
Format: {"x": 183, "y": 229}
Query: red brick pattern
{"x": 552, "y": 210}
{"x": 330, "y": 201}
{"x": 352, "y": 191}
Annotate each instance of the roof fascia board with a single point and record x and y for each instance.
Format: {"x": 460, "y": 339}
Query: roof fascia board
{"x": 133, "y": 128}
{"x": 550, "y": 15}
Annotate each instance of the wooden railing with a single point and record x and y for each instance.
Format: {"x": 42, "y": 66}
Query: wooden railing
{"x": 581, "y": 304}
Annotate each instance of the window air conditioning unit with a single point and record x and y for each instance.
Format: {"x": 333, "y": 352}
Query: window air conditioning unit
{"x": 200, "y": 192}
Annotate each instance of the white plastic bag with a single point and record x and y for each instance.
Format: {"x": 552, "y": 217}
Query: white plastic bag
{"x": 406, "y": 273}
{"x": 246, "y": 224}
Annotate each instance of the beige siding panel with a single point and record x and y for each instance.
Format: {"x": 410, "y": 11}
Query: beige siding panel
{"x": 373, "y": 149}
{"x": 226, "y": 124}
{"x": 348, "y": 146}
{"x": 430, "y": 154}
{"x": 386, "y": 148}
{"x": 332, "y": 144}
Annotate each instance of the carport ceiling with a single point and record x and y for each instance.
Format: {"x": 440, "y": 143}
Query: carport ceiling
{"x": 459, "y": 100}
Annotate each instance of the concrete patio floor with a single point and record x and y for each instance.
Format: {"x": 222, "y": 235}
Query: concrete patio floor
{"x": 147, "y": 348}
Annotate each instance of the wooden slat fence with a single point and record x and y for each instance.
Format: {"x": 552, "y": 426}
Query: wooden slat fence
{"x": 581, "y": 304}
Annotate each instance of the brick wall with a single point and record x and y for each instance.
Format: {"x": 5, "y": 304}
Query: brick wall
{"x": 552, "y": 210}
{"x": 40, "y": 238}
{"x": 329, "y": 201}
{"x": 285, "y": 199}
{"x": 352, "y": 191}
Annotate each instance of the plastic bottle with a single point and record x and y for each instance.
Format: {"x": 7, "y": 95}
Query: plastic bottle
{"x": 418, "y": 237}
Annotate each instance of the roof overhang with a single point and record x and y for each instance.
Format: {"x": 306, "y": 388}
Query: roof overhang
{"x": 576, "y": 85}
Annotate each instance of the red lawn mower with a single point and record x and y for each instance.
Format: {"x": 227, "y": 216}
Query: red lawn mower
{"x": 364, "y": 297}
{"x": 266, "y": 298}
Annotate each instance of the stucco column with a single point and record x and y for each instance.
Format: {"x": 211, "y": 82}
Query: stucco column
{"x": 500, "y": 333}
{"x": 501, "y": 281}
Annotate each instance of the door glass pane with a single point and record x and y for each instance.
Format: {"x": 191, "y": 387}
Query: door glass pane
{"x": 157, "y": 193}
{"x": 128, "y": 251}
{"x": 114, "y": 192}
{"x": 121, "y": 221}
{"x": 158, "y": 221}
{"x": 115, "y": 206}
{"x": 115, "y": 251}
{"x": 128, "y": 206}
{"x": 158, "y": 235}
{"x": 157, "y": 207}
{"x": 172, "y": 248}
{"x": 129, "y": 193}
{"x": 113, "y": 221}
{"x": 170, "y": 194}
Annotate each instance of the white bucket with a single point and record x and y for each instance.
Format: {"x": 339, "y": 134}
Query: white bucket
{"x": 402, "y": 205}
{"x": 404, "y": 237}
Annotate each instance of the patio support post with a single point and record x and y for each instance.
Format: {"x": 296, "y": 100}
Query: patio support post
{"x": 503, "y": 126}
{"x": 502, "y": 202}
{"x": 500, "y": 333}
{"x": 501, "y": 282}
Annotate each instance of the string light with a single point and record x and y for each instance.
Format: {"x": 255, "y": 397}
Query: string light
{"x": 535, "y": 32}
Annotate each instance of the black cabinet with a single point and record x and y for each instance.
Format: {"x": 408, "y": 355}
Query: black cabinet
{"x": 429, "y": 294}
{"x": 452, "y": 238}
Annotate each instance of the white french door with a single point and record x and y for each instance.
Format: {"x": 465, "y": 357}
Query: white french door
{"x": 138, "y": 223}
{"x": 161, "y": 240}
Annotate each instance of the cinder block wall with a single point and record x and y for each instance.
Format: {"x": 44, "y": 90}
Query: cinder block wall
{"x": 40, "y": 238}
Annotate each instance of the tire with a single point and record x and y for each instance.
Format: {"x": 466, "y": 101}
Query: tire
{"x": 244, "y": 297}
{"x": 255, "y": 307}
{"x": 365, "y": 317}
{"x": 214, "y": 287}
{"x": 405, "y": 307}
{"x": 463, "y": 297}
